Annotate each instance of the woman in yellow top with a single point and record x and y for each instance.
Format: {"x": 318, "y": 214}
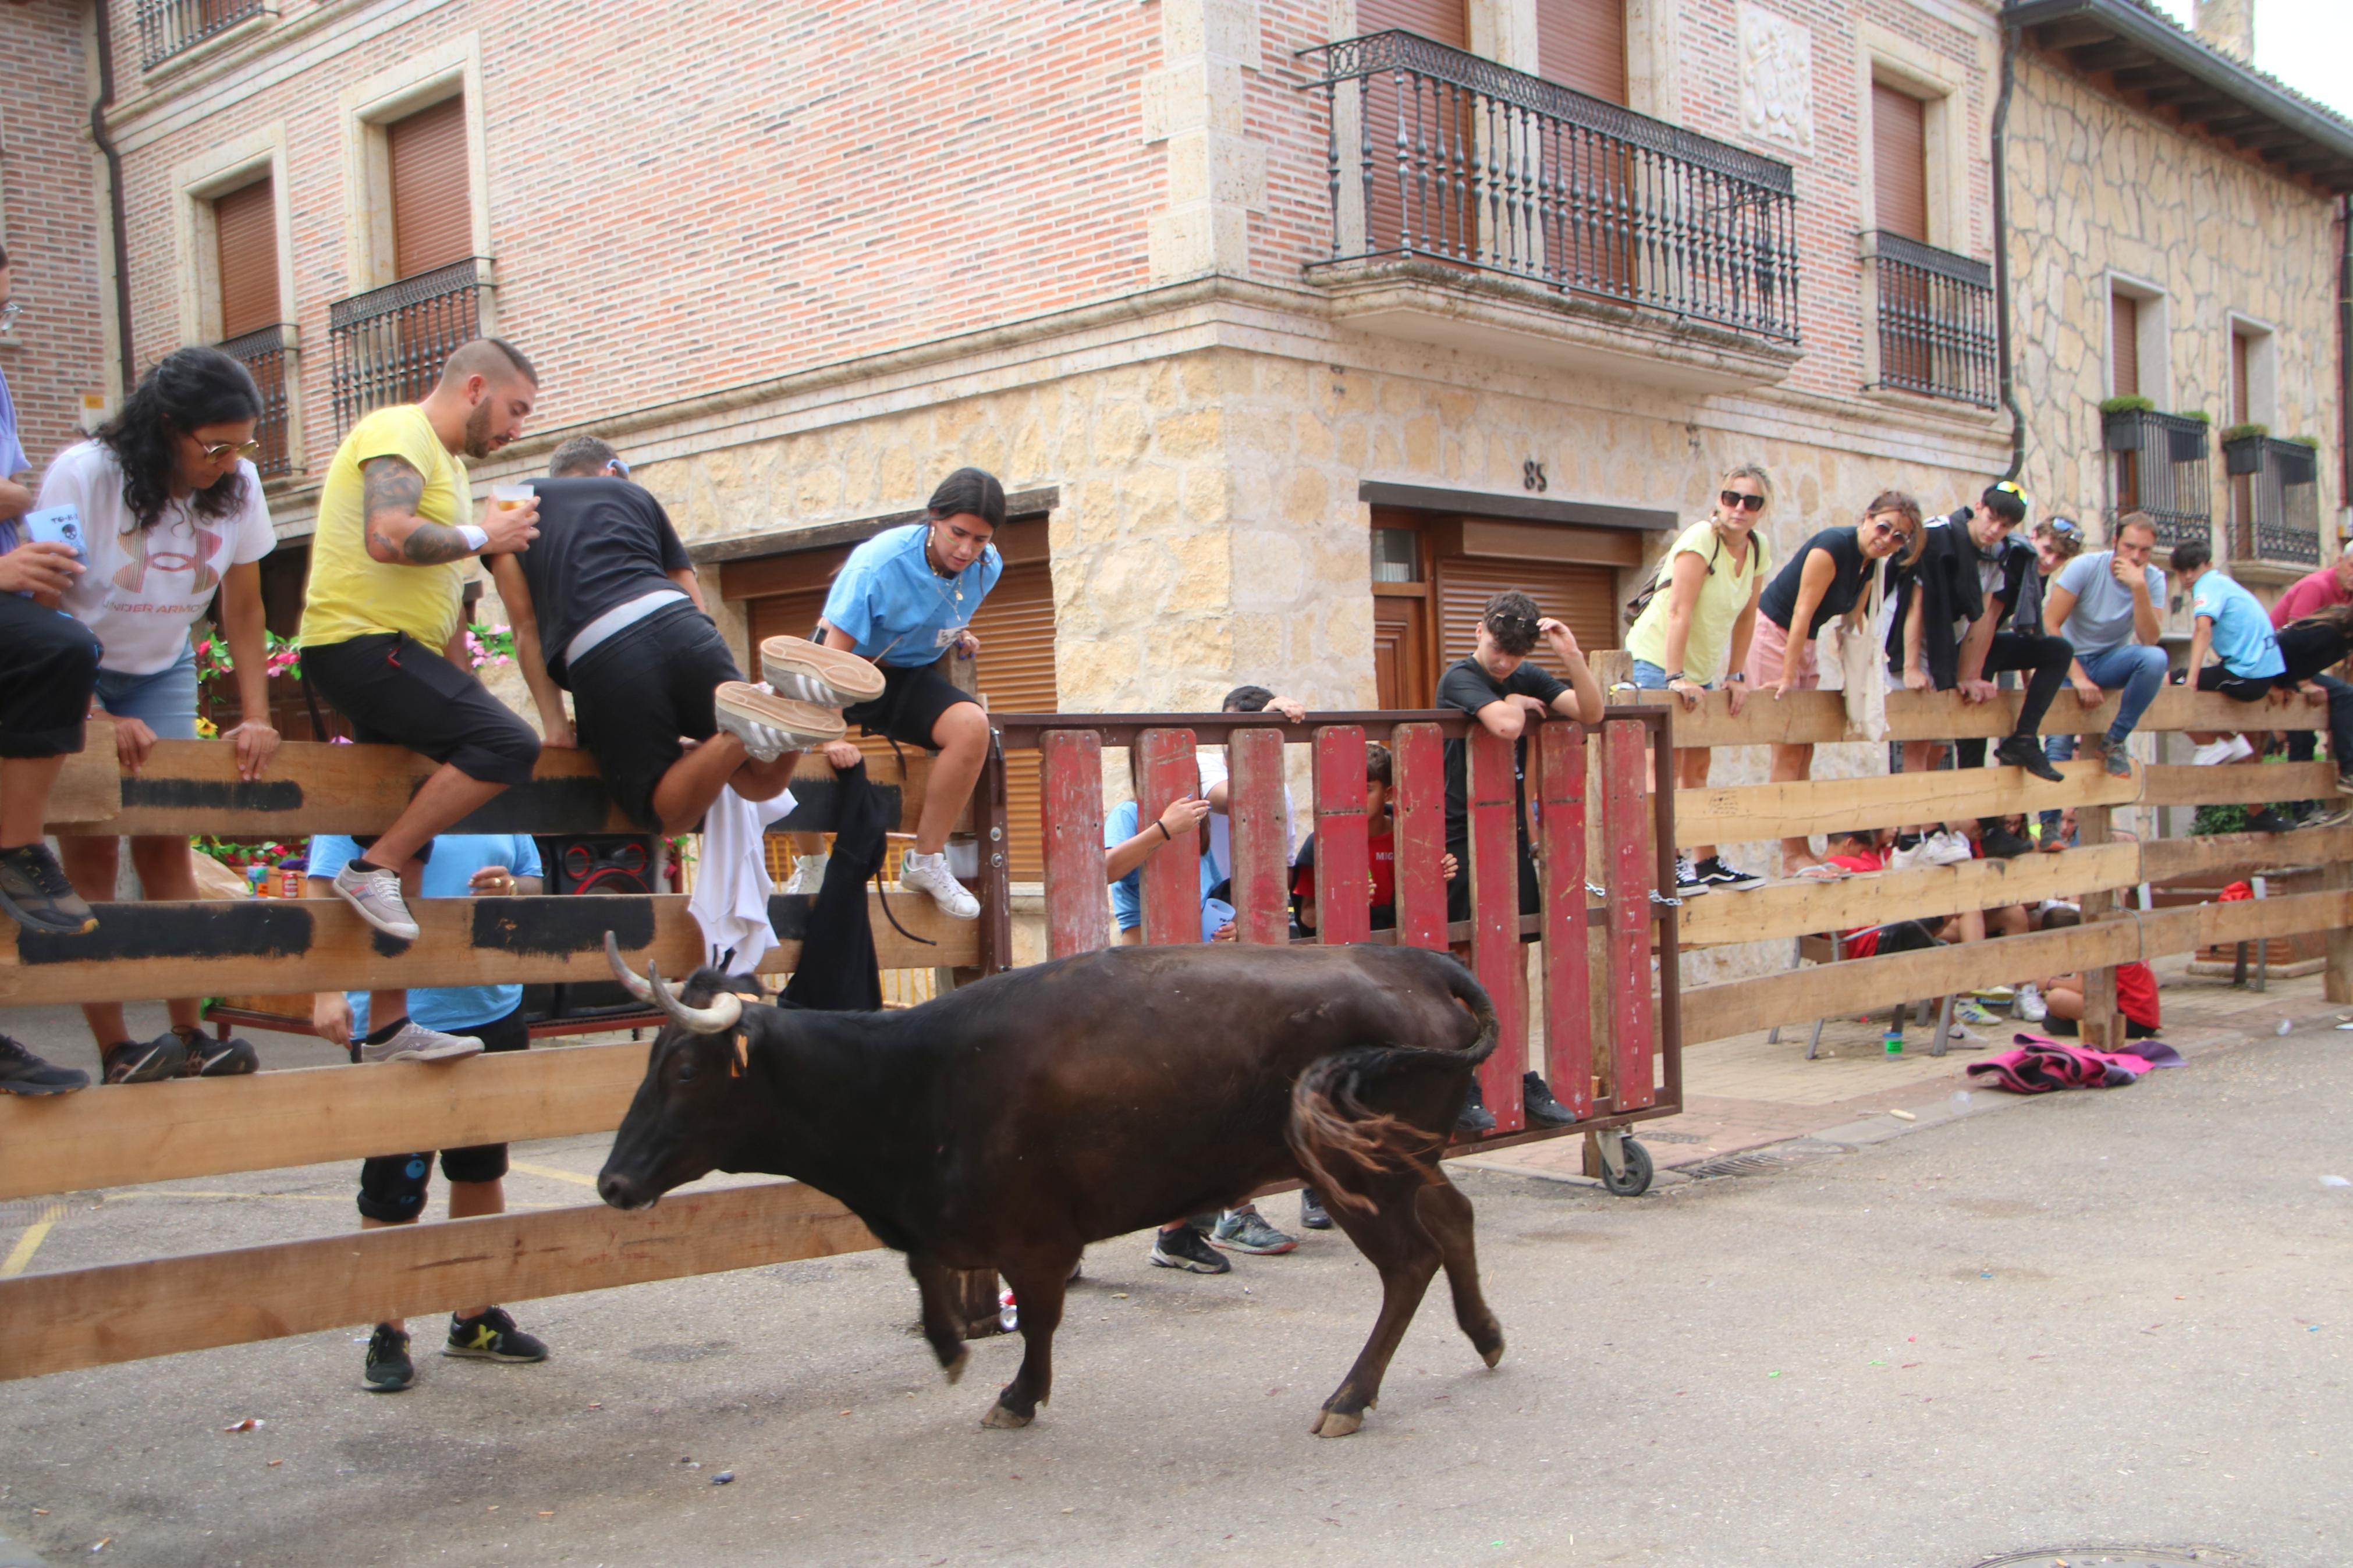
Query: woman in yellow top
{"x": 1695, "y": 631}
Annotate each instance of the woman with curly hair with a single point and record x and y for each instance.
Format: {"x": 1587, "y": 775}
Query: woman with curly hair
{"x": 171, "y": 512}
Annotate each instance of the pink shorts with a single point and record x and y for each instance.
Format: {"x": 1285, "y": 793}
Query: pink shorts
{"x": 1768, "y": 650}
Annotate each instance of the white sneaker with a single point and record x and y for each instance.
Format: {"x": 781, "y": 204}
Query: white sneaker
{"x": 1912, "y": 859}
{"x": 930, "y": 874}
{"x": 377, "y": 895}
{"x": 412, "y": 1042}
{"x": 769, "y": 725}
{"x": 2031, "y": 1008}
{"x": 2213, "y": 754}
{"x": 1946, "y": 848}
{"x": 2241, "y": 747}
{"x": 812, "y": 672}
{"x": 808, "y": 875}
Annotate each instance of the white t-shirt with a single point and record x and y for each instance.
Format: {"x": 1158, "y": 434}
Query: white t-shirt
{"x": 1212, "y": 763}
{"x": 142, "y": 591}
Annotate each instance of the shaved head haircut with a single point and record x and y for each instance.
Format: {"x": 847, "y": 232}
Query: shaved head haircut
{"x": 492, "y": 359}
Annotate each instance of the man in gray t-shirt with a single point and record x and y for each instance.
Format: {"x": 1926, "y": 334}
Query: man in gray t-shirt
{"x": 2107, "y": 605}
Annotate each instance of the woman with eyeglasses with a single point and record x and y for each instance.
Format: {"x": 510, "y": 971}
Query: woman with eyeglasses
{"x": 171, "y": 512}
{"x": 1697, "y": 618}
{"x": 1826, "y": 580}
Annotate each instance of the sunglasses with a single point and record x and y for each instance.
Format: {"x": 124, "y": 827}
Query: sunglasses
{"x": 219, "y": 449}
{"x": 1883, "y": 528}
{"x": 8, "y": 313}
{"x": 1512, "y": 625}
{"x": 2065, "y": 527}
{"x": 1736, "y": 500}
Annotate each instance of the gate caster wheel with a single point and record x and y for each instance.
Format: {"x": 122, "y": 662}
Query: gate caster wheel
{"x": 1633, "y": 1178}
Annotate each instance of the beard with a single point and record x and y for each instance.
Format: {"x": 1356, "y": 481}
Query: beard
{"x": 477, "y": 431}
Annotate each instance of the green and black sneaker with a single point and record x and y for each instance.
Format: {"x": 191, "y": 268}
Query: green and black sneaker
{"x": 388, "y": 1370}
{"x": 491, "y": 1337}
{"x": 22, "y": 1072}
{"x": 35, "y": 893}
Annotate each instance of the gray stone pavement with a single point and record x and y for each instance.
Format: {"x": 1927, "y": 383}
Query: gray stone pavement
{"x": 2094, "y": 1318}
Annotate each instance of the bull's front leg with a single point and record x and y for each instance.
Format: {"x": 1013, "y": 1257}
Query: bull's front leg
{"x": 1038, "y": 1285}
{"x": 943, "y": 1322}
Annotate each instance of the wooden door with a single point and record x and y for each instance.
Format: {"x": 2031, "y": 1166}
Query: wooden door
{"x": 1401, "y": 648}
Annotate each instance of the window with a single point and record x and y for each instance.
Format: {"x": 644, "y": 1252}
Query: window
{"x": 1434, "y": 117}
{"x": 2124, "y": 345}
{"x": 432, "y": 205}
{"x": 1899, "y": 163}
{"x": 1582, "y": 44}
{"x": 245, "y": 265}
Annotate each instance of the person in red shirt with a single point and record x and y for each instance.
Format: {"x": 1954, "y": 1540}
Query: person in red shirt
{"x": 1857, "y": 851}
{"x": 2135, "y": 992}
{"x": 2311, "y": 641}
{"x": 1381, "y": 839}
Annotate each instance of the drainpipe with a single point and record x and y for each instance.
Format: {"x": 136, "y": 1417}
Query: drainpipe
{"x": 2343, "y": 363}
{"x": 2001, "y": 255}
{"x": 117, "y": 220}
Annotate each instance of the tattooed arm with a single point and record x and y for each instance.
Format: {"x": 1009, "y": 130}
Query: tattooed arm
{"x": 391, "y": 490}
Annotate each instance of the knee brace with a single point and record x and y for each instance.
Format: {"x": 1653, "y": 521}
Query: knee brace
{"x": 392, "y": 1186}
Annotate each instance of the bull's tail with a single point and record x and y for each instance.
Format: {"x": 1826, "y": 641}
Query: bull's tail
{"x": 1333, "y": 1130}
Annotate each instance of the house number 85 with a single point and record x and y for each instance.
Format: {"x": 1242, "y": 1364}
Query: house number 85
{"x": 1532, "y": 476}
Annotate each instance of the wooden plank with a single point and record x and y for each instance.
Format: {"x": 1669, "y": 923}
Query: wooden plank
{"x": 2100, "y": 1026}
{"x": 1758, "y": 812}
{"x": 88, "y": 787}
{"x": 1172, "y": 875}
{"x": 1815, "y": 717}
{"x": 2252, "y": 784}
{"x": 2214, "y": 924}
{"x": 1632, "y": 869}
{"x": 1417, "y": 802}
{"x": 1567, "y": 975}
{"x": 241, "y": 947}
{"x": 1078, "y": 919}
{"x": 1492, "y": 809}
{"x": 91, "y": 1316}
{"x": 2336, "y": 977}
{"x": 1343, "y": 860}
{"x": 129, "y": 1135}
{"x": 1259, "y": 832}
{"x": 2243, "y": 853}
{"x": 1801, "y": 908}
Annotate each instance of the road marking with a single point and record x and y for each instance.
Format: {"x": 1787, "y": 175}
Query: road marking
{"x": 551, "y": 1173}
{"x": 20, "y": 1255}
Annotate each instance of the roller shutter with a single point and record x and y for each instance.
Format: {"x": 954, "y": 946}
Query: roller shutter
{"x": 1582, "y": 44}
{"x": 1899, "y": 161}
{"x": 1437, "y": 224}
{"x": 1584, "y": 596}
{"x": 244, "y": 237}
{"x": 432, "y": 203}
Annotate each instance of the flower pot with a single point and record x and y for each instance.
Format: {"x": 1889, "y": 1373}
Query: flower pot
{"x": 2243, "y": 455}
{"x": 2121, "y": 431}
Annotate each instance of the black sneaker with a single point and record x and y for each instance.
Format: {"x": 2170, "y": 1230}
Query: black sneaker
{"x": 1689, "y": 883}
{"x": 33, "y": 888}
{"x": 22, "y": 1072}
{"x": 2115, "y": 758}
{"x": 208, "y": 1057}
{"x": 2026, "y": 752}
{"x": 388, "y": 1369}
{"x": 2266, "y": 820}
{"x": 1716, "y": 874}
{"x": 2000, "y": 844}
{"x": 1543, "y": 1109}
{"x": 135, "y": 1061}
{"x": 1475, "y": 1118}
{"x": 491, "y": 1337}
{"x": 1311, "y": 1211}
{"x": 1186, "y": 1247}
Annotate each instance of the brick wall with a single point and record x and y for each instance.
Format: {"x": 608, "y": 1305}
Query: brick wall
{"x": 49, "y": 218}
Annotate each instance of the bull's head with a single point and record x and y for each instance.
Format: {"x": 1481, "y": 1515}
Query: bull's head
{"x": 690, "y": 1113}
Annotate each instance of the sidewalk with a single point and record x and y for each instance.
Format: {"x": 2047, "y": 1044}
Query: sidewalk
{"x": 1743, "y": 1093}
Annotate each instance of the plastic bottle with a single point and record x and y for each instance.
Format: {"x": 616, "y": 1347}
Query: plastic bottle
{"x": 1893, "y": 1042}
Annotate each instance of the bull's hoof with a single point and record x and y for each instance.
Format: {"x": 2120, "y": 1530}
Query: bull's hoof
{"x": 1491, "y": 1355}
{"x": 1336, "y": 1424}
{"x": 999, "y": 1416}
{"x": 955, "y": 1369}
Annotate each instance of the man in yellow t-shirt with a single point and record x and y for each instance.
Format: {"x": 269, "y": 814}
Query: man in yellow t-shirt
{"x": 382, "y": 635}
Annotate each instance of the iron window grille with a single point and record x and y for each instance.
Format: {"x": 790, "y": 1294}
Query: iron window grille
{"x": 389, "y": 342}
{"x": 2277, "y": 516}
{"x": 169, "y": 28}
{"x": 263, "y": 354}
{"x": 2159, "y": 467}
{"x": 1935, "y": 321}
{"x": 1463, "y": 162}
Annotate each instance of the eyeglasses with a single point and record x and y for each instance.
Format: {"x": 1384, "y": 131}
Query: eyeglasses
{"x": 1742, "y": 502}
{"x": 219, "y": 449}
{"x": 9, "y": 314}
{"x": 1881, "y": 527}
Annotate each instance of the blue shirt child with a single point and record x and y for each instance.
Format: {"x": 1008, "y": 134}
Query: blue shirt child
{"x": 452, "y": 1009}
{"x": 899, "y": 610}
{"x": 2244, "y": 638}
{"x": 1127, "y": 893}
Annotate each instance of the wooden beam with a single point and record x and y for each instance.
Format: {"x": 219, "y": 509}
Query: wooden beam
{"x": 2252, "y": 784}
{"x": 131, "y": 1134}
{"x": 89, "y": 785}
{"x": 91, "y": 1316}
{"x": 266, "y": 946}
{"x": 1800, "y": 908}
{"x": 2243, "y": 853}
{"x": 1759, "y": 812}
{"x": 1818, "y": 717}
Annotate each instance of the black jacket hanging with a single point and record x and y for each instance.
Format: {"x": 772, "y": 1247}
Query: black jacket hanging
{"x": 838, "y": 972}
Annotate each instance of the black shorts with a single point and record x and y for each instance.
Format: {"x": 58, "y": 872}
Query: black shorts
{"x": 397, "y": 691}
{"x": 392, "y": 1186}
{"x": 48, "y": 668}
{"x": 640, "y": 689}
{"x": 2065, "y": 1027}
{"x": 1458, "y": 891}
{"x": 913, "y": 697}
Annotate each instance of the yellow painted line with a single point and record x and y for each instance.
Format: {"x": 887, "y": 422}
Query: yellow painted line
{"x": 551, "y": 1173}
{"x": 21, "y": 1254}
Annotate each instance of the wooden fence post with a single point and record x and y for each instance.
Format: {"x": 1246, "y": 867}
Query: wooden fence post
{"x": 1172, "y": 880}
{"x": 1491, "y": 788}
{"x": 1418, "y": 806}
{"x": 1258, "y": 829}
{"x": 1077, "y": 917}
{"x": 2101, "y": 1029}
{"x": 1343, "y": 856}
{"x": 2336, "y": 977}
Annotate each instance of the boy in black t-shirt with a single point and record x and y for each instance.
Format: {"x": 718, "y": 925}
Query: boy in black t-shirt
{"x": 1500, "y": 689}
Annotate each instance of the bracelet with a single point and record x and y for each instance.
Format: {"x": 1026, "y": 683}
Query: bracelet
{"x": 1678, "y": 674}
{"x": 1164, "y": 830}
{"x": 1739, "y": 674}
{"x": 475, "y": 538}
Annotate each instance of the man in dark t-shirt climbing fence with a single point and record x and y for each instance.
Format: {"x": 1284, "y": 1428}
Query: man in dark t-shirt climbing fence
{"x": 605, "y": 604}
{"x": 1498, "y": 687}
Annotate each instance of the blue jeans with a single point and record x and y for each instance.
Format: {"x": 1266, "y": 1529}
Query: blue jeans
{"x": 2135, "y": 670}
{"x": 1648, "y": 677}
{"x": 166, "y": 702}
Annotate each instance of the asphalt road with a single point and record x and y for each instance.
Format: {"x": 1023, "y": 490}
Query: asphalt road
{"x": 2097, "y": 1317}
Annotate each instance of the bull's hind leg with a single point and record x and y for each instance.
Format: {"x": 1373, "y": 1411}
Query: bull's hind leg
{"x": 943, "y": 1325}
{"x": 1037, "y": 1285}
{"x": 1446, "y": 1215}
{"x": 1393, "y": 1237}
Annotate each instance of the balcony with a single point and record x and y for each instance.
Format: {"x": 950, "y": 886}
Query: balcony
{"x": 2275, "y": 513}
{"x": 1936, "y": 315}
{"x": 1469, "y": 201}
{"x": 2161, "y": 469}
{"x": 390, "y": 341}
{"x": 170, "y": 28}
{"x": 264, "y": 353}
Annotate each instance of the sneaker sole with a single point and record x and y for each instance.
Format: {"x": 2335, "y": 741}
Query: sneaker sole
{"x": 954, "y": 915}
{"x": 1160, "y": 1259}
{"x": 1693, "y": 889}
{"x": 435, "y": 1054}
{"x": 455, "y": 1353}
{"x": 41, "y": 1090}
{"x": 803, "y": 724}
{"x": 812, "y": 672}
{"x": 49, "y": 925}
{"x": 371, "y": 1386}
{"x": 374, "y": 922}
{"x": 1225, "y": 1246}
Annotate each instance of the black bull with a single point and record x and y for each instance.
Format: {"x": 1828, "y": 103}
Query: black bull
{"x": 1010, "y": 1122}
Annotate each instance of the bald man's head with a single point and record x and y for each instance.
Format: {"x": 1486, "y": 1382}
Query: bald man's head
{"x": 497, "y": 388}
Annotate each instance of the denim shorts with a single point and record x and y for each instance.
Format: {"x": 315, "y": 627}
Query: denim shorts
{"x": 165, "y": 702}
{"x": 1648, "y": 677}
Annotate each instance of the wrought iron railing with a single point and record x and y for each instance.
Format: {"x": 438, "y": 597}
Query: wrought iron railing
{"x": 264, "y": 355}
{"x": 168, "y": 28}
{"x": 2276, "y": 515}
{"x": 2161, "y": 468}
{"x": 1935, "y": 320}
{"x": 390, "y": 341}
{"x": 1462, "y": 162}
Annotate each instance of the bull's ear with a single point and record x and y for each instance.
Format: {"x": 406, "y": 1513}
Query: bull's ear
{"x": 743, "y": 1055}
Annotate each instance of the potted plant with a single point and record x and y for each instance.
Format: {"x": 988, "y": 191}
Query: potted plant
{"x": 2120, "y": 421}
{"x": 2242, "y": 449}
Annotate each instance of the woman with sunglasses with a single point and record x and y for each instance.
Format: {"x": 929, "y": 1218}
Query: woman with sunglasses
{"x": 171, "y": 513}
{"x": 1695, "y": 630}
{"x": 1824, "y": 581}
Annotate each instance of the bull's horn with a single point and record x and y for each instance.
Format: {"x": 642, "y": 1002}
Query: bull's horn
{"x": 631, "y": 981}
{"x": 717, "y": 1019}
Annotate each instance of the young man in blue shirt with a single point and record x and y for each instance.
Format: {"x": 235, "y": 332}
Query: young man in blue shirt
{"x": 487, "y": 1018}
{"x": 2232, "y": 625}
{"x": 2107, "y": 605}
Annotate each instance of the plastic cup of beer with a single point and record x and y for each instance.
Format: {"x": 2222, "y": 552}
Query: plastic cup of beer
{"x": 508, "y": 496}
